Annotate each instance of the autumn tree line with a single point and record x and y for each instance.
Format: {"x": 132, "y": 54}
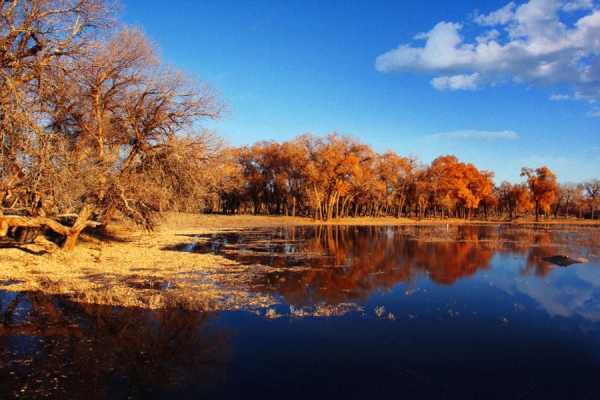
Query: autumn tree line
{"x": 336, "y": 175}
{"x": 94, "y": 124}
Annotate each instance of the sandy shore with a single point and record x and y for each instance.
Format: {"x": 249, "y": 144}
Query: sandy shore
{"x": 136, "y": 268}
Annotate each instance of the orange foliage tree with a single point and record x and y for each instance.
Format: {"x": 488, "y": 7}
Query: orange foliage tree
{"x": 457, "y": 187}
{"x": 231, "y": 185}
{"x": 262, "y": 172}
{"x": 266, "y": 168}
{"x": 514, "y": 198}
{"x": 396, "y": 175}
{"x": 336, "y": 175}
{"x": 542, "y": 187}
{"x": 332, "y": 163}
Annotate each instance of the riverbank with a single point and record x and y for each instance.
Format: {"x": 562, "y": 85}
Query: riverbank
{"x": 182, "y": 220}
{"x": 134, "y": 268}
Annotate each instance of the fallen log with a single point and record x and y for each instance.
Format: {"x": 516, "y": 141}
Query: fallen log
{"x": 70, "y": 234}
{"x": 13, "y": 221}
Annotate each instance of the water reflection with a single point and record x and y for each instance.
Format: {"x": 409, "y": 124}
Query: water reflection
{"x": 478, "y": 314}
{"x": 55, "y": 348}
{"x": 348, "y": 264}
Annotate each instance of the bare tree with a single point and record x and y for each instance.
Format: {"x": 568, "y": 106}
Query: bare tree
{"x": 592, "y": 187}
{"x": 571, "y": 192}
{"x": 35, "y": 36}
{"x": 126, "y": 130}
{"x": 114, "y": 131}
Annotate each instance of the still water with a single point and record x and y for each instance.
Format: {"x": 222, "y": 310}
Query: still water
{"x": 364, "y": 312}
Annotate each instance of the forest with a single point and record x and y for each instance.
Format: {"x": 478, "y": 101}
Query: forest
{"x": 94, "y": 124}
{"x": 336, "y": 175}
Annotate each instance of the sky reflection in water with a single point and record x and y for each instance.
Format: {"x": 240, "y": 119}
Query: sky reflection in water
{"x": 349, "y": 264}
{"x": 470, "y": 312}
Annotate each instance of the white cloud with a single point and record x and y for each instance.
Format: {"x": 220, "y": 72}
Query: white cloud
{"x": 474, "y": 135}
{"x": 464, "y": 82}
{"x": 499, "y": 17}
{"x": 564, "y": 291}
{"x": 441, "y": 52}
{"x": 595, "y": 112}
{"x": 559, "y": 97}
{"x": 528, "y": 43}
{"x": 578, "y": 5}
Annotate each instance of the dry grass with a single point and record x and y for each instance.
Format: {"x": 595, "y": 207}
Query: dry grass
{"x": 133, "y": 268}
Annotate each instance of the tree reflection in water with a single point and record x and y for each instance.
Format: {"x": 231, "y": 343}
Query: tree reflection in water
{"x": 366, "y": 259}
{"x": 533, "y": 334}
{"x": 348, "y": 263}
{"x": 55, "y": 348}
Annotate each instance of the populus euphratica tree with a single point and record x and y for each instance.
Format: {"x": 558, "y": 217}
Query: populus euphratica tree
{"x": 104, "y": 128}
{"x": 35, "y": 36}
{"x": 542, "y": 187}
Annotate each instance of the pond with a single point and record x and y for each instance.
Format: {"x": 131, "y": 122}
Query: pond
{"x": 364, "y": 312}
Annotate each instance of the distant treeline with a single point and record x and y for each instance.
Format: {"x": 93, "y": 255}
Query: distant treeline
{"x": 336, "y": 175}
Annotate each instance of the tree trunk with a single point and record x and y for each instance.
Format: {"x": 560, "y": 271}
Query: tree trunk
{"x": 80, "y": 224}
{"x": 70, "y": 234}
{"x": 110, "y": 213}
{"x": 332, "y": 202}
{"x": 401, "y": 207}
{"x": 3, "y": 225}
{"x": 318, "y": 212}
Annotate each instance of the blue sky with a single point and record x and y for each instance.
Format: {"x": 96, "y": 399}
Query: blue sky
{"x": 499, "y": 84}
